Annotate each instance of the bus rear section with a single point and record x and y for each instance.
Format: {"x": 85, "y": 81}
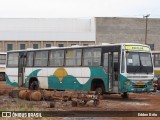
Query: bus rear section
{"x": 136, "y": 69}
{"x": 2, "y": 66}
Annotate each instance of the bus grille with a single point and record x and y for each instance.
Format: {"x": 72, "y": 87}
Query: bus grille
{"x": 139, "y": 86}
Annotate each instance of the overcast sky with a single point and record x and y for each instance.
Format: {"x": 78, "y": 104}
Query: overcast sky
{"x": 78, "y": 8}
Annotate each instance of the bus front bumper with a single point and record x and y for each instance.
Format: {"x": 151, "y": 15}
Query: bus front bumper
{"x": 138, "y": 90}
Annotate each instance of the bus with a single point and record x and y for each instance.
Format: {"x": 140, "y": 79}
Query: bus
{"x": 156, "y": 61}
{"x": 2, "y": 65}
{"x": 108, "y": 68}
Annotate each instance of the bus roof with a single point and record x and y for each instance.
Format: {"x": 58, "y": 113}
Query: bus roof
{"x": 76, "y": 46}
{"x": 4, "y": 53}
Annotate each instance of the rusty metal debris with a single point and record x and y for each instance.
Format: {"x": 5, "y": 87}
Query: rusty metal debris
{"x": 76, "y": 97}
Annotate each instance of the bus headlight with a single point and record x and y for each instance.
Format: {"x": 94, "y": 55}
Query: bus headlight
{"x": 127, "y": 83}
{"x": 150, "y": 83}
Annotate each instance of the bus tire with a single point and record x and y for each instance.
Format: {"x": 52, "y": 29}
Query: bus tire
{"x": 2, "y": 76}
{"x": 34, "y": 85}
{"x": 97, "y": 85}
{"x": 125, "y": 95}
{"x": 99, "y": 91}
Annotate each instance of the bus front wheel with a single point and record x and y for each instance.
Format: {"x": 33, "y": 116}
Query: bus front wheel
{"x": 99, "y": 91}
{"x": 125, "y": 95}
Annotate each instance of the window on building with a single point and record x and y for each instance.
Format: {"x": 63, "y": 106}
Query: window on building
{"x": 60, "y": 45}
{"x": 30, "y": 59}
{"x": 73, "y": 57}
{"x": 85, "y": 44}
{"x": 92, "y": 57}
{"x": 56, "y": 58}
{"x": 9, "y": 47}
{"x": 22, "y": 46}
{"x": 2, "y": 59}
{"x": 35, "y": 46}
{"x": 41, "y": 58}
{"x": 48, "y": 45}
{"x": 73, "y": 44}
{"x": 13, "y": 59}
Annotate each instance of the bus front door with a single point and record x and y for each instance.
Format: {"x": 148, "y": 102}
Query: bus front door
{"x": 110, "y": 71}
{"x": 21, "y": 69}
{"x": 111, "y": 67}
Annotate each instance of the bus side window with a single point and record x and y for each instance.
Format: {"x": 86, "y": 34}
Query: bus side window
{"x": 30, "y": 59}
{"x": 41, "y": 58}
{"x": 92, "y": 57}
{"x": 96, "y": 60}
{"x": 12, "y": 60}
{"x": 73, "y": 57}
{"x": 56, "y": 58}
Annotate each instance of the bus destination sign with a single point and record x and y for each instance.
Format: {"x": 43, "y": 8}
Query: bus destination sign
{"x": 136, "y": 48}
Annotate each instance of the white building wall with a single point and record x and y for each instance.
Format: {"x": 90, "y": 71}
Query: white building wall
{"x": 47, "y": 29}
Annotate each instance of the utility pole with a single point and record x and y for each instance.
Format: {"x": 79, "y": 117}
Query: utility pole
{"x": 146, "y": 16}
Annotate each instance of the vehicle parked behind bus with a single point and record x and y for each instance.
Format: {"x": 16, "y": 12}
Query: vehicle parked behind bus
{"x": 2, "y": 65}
{"x": 111, "y": 68}
{"x": 156, "y": 61}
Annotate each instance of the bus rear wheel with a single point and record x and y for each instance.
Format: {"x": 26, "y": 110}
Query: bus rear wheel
{"x": 125, "y": 95}
{"x": 34, "y": 85}
{"x": 99, "y": 91}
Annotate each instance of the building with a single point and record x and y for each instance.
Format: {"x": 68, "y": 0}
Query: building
{"x": 117, "y": 30}
{"x": 16, "y": 33}
{"x": 45, "y": 32}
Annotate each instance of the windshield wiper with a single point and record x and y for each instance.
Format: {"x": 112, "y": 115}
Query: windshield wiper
{"x": 138, "y": 68}
{"x": 143, "y": 67}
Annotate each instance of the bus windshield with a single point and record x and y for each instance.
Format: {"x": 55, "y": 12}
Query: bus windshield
{"x": 139, "y": 62}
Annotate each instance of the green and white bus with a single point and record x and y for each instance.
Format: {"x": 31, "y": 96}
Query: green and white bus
{"x": 107, "y": 68}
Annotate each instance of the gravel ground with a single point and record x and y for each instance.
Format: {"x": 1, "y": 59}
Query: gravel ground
{"x": 136, "y": 102}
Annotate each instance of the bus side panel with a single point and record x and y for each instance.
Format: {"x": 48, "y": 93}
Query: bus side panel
{"x": 99, "y": 73}
{"x": 67, "y": 78}
{"x": 42, "y": 77}
{"x": 28, "y": 75}
{"x": 2, "y": 68}
{"x": 12, "y": 76}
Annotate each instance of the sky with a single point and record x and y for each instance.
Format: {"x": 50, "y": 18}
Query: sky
{"x": 78, "y": 8}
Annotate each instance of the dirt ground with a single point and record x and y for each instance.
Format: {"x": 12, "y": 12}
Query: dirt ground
{"x": 136, "y": 102}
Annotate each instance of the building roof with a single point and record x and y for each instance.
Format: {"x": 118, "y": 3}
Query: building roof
{"x": 47, "y": 29}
